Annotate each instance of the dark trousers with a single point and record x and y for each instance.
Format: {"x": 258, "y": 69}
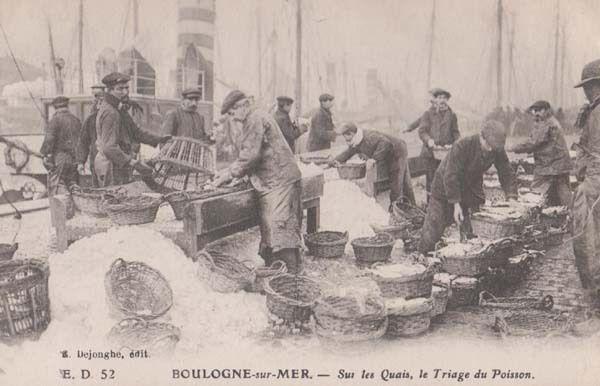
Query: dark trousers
{"x": 556, "y": 190}
{"x": 432, "y": 167}
{"x": 440, "y": 214}
{"x": 401, "y": 183}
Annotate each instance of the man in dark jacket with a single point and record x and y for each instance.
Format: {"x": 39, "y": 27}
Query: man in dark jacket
{"x": 184, "y": 121}
{"x": 291, "y": 131}
{"x": 384, "y": 149}
{"x": 60, "y": 146}
{"x": 322, "y": 131}
{"x": 267, "y": 159}
{"x": 458, "y": 183}
{"x": 438, "y": 126}
{"x": 116, "y": 136}
{"x": 86, "y": 149}
{"x": 552, "y": 160}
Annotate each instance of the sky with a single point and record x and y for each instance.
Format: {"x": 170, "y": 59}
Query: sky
{"x": 390, "y": 35}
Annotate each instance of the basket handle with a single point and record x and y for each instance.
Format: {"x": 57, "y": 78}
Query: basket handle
{"x": 207, "y": 256}
{"x": 117, "y": 264}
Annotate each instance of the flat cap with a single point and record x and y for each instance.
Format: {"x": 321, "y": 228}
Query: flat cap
{"x": 437, "y": 91}
{"x": 326, "y": 97}
{"x": 60, "y": 101}
{"x": 540, "y": 105}
{"x": 98, "y": 86}
{"x": 115, "y": 78}
{"x": 285, "y": 99}
{"x": 231, "y": 99}
{"x": 348, "y": 127}
{"x": 494, "y": 133}
{"x": 192, "y": 91}
{"x": 591, "y": 71}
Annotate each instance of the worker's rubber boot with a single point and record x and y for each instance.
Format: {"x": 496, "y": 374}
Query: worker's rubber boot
{"x": 292, "y": 259}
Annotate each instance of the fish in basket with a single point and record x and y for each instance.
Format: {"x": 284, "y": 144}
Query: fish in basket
{"x": 500, "y": 220}
{"x": 7, "y": 251}
{"x": 534, "y": 323}
{"x": 224, "y": 273}
{"x": 408, "y": 317}
{"x": 369, "y": 250}
{"x": 470, "y": 258}
{"x": 132, "y": 210}
{"x": 137, "y": 290}
{"x": 24, "y": 301}
{"x": 139, "y": 334}
{"x": 487, "y": 299}
{"x": 90, "y": 200}
{"x": 403, "y": 280}
{"x": 326, "y": 244}
{"x": 350, "y": 318}
{"x": 292, "y": 297}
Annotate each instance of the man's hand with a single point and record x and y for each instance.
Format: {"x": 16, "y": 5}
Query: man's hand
{"x": 166, "y": 138}
{"x": 221, "y": 178}
{"x": 431, "y": 143}
{"x": 458, "y": 214}
{"x": 80, "y": 169}
{"x": 142, "y": 167}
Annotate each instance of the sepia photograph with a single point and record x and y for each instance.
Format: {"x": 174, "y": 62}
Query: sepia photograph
{"x": 319, "y": 192}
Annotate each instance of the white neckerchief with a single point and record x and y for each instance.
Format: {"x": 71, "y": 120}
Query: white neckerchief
{"x": 357, "y": 139}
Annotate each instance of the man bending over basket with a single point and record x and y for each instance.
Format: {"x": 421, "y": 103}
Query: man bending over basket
{"x": 267, "y": 159}
{"x": 457, "y": 187}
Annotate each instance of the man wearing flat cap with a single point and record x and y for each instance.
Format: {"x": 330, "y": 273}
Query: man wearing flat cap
{"x": 457, "y": 187}
{"x": 586, "y": 210}
{"x": 550, "y": 152}
{"x": 322, "y": 131}
{"x": 117, "y": 135}
{"x": 60, "y": 146}
{"x": 184, "y": 121}
{"x": 438, "y": 126}
{"x": 291, "y": 131}
{"x": 86, "y": 149}
{"x": 381, "y": 148}
{"x": 266, "y": 158}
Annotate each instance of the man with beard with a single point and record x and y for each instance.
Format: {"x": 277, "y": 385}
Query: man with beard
{"x": 184, "y": 121}
{"x": 267, "y": 159}
{"x": 437, "y": 127}
{"x": 117, "y": 136}
{"x": 552, "y": 161}
{"x": 457, "y": 186}
{"x": 86, "y": 149}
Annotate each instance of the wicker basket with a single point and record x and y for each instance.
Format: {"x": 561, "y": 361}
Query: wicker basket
{"x": 224, "y": 273}
{"x": 553, "y": 220}
{"x": 138, "y": 334}
{"x": 350, "y": 171}
{"x": 315, "y": 159}
{"x": 534, "y": 323}
{"x": 463, "y": 293}
{"x": 7, "y": 251}
{"x": 265, "y": 273}
{"x": 326, "y": 244}
{"x": 403, "y": 211}
{"x": 398, "y": 232}
{"x": 132, "y": 210}
{"x": 502, "y": 250}
{"x": 486, "y": 299}
{"x": 490, "y": 228}
{"x": 405, "y": 286}
{"x": 24, "y": 301}
{"x": 368, "y": 250}
{"x": 89, "y": 200}
{"x": 473, "y": 264}
{"x": 197, "y": 155}
{"x": 342, "y": 319}
{"x": 439, "y": 297}
{"x": 137, "y": 290}
{"x": 291, "y": 297}
{"x": 411, "y": 320}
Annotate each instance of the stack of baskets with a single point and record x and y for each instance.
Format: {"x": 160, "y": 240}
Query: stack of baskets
{"x": 292, "y": 297}
{"x": 352, "y": 171}
{"x": 326, "y": 244}
{"x": 24, "y": 301}
{"x": 90, "y": 200}
{"x": 350, "y": 319}
{"x": 132, "y": 210}
{"x": 224, "y": 273}
{"x": 369, "y": 250}
{"x": 439, "y": 297}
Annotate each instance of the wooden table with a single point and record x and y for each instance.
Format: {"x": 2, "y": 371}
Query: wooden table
{"x": 212, "y": 218}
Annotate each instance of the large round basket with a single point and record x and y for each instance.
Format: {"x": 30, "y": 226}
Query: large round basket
{"x": 439, "y": 298}
{"x": 7, "y": 251}
{"x": 463, "y": 292}
{"x": 24, "y": 301}
{"x": 291, "y": 297}
{"x": 343, "y": 319}
{"x": 223, "y": 272}
{"x": 137, "y": 290}
{"x": 139, "y": 334}
{"x": 132, "y": 210}
{"x": 473, "y": 263}
{"x": 89, "y": 200}
{"x": 409, "y": 281}
{"x": 493, "y": 229}
{"x": 326, "y": 244}
{"x": 399, "y": 231}
{"x": 349, "y": 171}
{"x": 265, "y": 273}
{"x": 408, "y": 318}
{"x": 368, "y": 250}
{"x": 486, "y": 299}
{"x": 403, "y": 211}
